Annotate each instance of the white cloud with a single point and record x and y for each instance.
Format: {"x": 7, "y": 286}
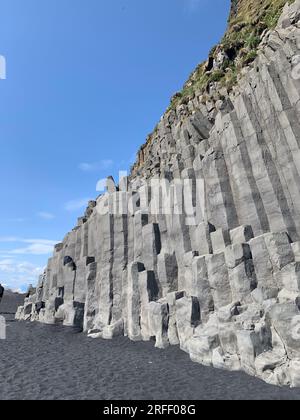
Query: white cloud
{"x": 75, "y": 205}
{"x": 85, "y": 167}
{"x": 34, "y": 249}
{"x": 6, "y": 265}
{"x": 18, "y": 275}
{"x": 45, "y": 215}
{"x": 35, "y": 246}
{"x": 102, "y": 165}
{"x": 27, "y": 241}
{"x": 11, "y": 266}
{"x": 192, "y": 5}
{"x": 40, "y": 241}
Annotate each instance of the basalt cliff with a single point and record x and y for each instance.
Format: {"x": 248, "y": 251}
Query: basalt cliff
{"x": 200, "y": 245}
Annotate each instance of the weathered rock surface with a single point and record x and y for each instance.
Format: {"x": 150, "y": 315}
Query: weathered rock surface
{"x": 223, "y": 282}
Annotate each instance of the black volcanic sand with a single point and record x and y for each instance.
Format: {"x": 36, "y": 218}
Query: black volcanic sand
{"x": 54, "y": 362}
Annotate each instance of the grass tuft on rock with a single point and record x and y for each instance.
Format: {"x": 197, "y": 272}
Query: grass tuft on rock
{"x": 248, "y": 20}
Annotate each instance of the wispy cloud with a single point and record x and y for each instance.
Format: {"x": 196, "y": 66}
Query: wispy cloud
{"x": 27, "y": 241}
{"x": 34, "y": 246}
{"x": 45, "y": 215}
{"x": 102, "y": 165}
{"x": 192, "y": 5}
{"x": 11, "y": 266}
{"x": 34, "y": 249}
{"x": 6, "y": 265}
{"x": 75, "y": 205}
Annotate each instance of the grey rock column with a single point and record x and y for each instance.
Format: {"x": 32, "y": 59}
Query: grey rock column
{"x": 134, "y": 301}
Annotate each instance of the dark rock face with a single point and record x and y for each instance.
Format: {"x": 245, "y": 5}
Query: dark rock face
{"x": 10, "y": 302}
{"x": 223, "y": 282}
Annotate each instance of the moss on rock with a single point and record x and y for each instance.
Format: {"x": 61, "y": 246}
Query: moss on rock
{"x": 248, "y": 20}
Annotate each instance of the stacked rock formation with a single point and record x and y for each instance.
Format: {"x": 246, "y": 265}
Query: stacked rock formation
{"x": 223, "y": 282}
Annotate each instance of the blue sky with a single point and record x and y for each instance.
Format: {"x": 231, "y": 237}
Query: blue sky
{"x": 87, "y": 80}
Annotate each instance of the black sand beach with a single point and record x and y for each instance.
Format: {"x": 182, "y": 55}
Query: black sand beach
{"x": 53, "y": 363}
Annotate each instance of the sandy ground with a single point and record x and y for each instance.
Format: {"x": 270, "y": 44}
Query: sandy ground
{"x": 54, "y": 362}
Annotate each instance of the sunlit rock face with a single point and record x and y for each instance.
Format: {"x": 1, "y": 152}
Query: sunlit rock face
{"x": 200, "y": 245}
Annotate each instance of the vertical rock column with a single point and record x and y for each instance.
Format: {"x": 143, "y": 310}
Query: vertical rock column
{"x": 91, "y": 302}
{"x": 148, "y": 291}
{"x": 120, "y": 261}
{"x": 105, "y": 278}
{"x": 134, "y": 301}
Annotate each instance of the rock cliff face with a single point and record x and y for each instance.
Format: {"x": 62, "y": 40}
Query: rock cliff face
{"x": 200, "y": 246}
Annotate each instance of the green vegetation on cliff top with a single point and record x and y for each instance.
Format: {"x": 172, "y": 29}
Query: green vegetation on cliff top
{"x": 247, "y": 22}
